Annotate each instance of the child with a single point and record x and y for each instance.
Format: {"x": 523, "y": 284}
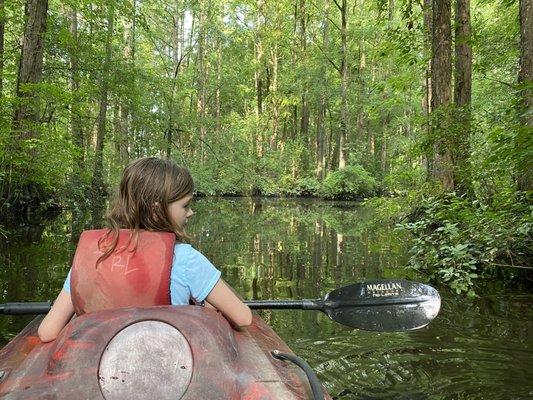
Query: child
{"x": 141, "y": 259}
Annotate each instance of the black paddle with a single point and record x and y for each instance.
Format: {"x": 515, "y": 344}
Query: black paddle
{"x": 380, "y": 305}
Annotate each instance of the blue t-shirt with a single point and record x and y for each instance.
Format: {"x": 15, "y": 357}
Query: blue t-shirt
{"x": 192, "y": 275}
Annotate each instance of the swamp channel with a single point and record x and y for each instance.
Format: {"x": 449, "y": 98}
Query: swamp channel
{"x": 290, "y": 249}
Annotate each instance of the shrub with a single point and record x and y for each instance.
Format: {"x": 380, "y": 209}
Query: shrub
{"x": 306, "y": 186}
{"x": 350, "y": 183}
{"x": 459, "y": 241}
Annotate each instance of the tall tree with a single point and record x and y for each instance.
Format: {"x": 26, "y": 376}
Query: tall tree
{"x": 304, "y": 119}
{"x": 258, "y": 57}
{"x": 218, "y": 90}
{"x": 525, "y": 81}
{"x": 125, "y": 106}
{"x": 201, "y": 76}
{"x": 76, "y": 128}
{"x": 98, "y": 185}
{"x": 273, "y": 90}
{"x": 177, "y": 46}
{"x": 462, "y": 95}
{"x": 2, "y": 25}
{"x": 26, "y": 114}
{"x": 30, "y": 68}
{"x": 259, "y": 20}
{"x": 343, "y": 132}
{"x": 441, "y": 96}
{"x": 322, "y": 102}
{"x": 76, "y": 125}
{"x": 426, "y": 101}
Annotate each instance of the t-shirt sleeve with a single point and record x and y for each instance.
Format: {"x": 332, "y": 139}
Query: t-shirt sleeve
{"x": 66, "y": 285}
{"x": 201, "y": 275}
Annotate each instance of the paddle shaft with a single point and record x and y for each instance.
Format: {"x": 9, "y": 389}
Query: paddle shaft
{"x": 324, "y": 304}
{"x": 285, "y": 304}
{"x": 25, "y": 308}
{"x": 44, "y": 307}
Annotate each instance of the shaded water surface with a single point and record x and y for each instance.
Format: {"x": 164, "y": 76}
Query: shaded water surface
{"x": 475, "y": 349}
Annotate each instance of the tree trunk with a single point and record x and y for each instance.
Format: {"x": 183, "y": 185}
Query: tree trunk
{"x": 2, "y": 25}
{"x": 176, "y": 54}
{"x": 258, "y": 53}
{"x": 525, "y": 81}
{"x": 218, "y": 104}
{"x": 76, "y": 131}
{"x": 257, "y": 144}
{"x": 304, "y": 119}
{"x": 441, "y": 74}
{"x": 303, "y": 161}
{"x": 343, "y": 133}
{"x": 76, "y": 126}
{"x": 125, "y": 105}
{"x": 98, "y": 188}
{"x": 358, "y": 133}
{"x": 321, "y": 113}
{"x": 24, "y": 190}
{"x": 30, "y": 68}
{"x": 333, "y": 145}
{"x": 201, "y": 79}
{"x": 462, "y": 95}
{"x": 274, "y": 91}
{"x": 426, "y": 101}
{"x": 384, "y": 160}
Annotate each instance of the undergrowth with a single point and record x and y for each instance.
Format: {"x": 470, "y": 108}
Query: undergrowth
{"x": 460, "y": 241}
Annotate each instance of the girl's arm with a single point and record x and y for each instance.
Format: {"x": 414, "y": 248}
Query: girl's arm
{"x": 61, "y": 312}
{"x": 226, "y": 301}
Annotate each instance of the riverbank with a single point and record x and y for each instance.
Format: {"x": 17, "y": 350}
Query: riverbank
{"x": 464, "y": 242}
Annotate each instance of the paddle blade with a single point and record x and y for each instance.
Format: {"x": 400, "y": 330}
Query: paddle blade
{"x": 383, "y": 305}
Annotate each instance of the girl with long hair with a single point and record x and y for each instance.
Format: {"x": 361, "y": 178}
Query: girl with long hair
{"x": 142, "y": 258}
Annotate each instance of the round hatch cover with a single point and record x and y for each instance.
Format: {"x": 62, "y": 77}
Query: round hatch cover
{"x": 146, "y": 360}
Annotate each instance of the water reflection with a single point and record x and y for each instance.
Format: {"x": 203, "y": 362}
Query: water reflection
{"x": 271, "y": 249}
{"x": 293, "y": 248}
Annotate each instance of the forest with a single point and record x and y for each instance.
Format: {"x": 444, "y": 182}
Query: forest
{"x": 423, "y": 109}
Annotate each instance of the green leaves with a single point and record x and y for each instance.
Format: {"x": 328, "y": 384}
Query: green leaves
{"x": 459, "y": 242}
{"x": 352, "y": 182}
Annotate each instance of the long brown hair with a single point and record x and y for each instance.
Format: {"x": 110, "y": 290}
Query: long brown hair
{"x": 147, "y": 187}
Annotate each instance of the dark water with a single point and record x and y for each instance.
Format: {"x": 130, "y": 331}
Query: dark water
{"x": 475, "y": 349}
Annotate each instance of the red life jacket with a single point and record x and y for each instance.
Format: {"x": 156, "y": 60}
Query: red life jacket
{"x": 128, "y": 277}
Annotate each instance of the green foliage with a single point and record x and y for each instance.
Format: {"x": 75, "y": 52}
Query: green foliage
{"x": 307, "y": 186}
{"x": 387, "y": 210}
{"x": 210, "y": 183}
{"x": 247, "y": 147}
{"x": 458, "y": 241}
{"x": 33, "y": 170}
{"x": 404, "y": 178}
{"x": 350, "y": 183}
{"x": 303, "y": 187}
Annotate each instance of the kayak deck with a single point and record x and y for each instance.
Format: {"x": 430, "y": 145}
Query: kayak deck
{"x": 166, "y": 352}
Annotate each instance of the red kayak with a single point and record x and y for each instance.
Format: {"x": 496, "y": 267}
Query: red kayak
{"x": 159, "y": 353}
{"x": 190, "y": 352}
